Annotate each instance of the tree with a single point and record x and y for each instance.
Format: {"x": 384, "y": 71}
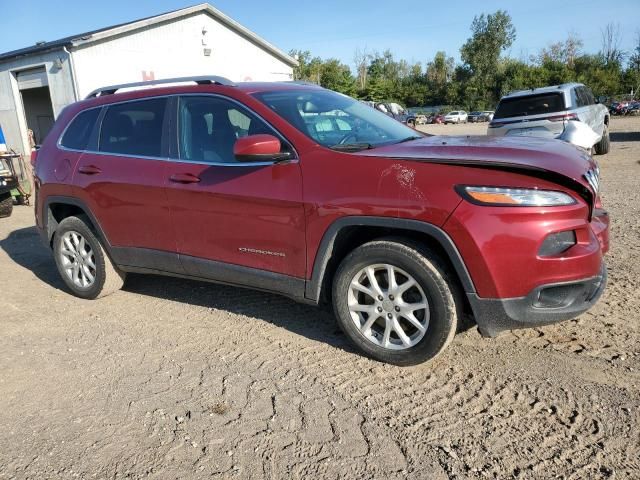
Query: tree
{"x": 361, "y": 59}
{"x": 490, "y": 35}
{"x": 439, "y": 74}
{"x": 632, "y": 75}
{"x": 611, "y": 38}
{"x": 563, "y": 52}
{"x": 308, "y": 68}
{"x": 484, "y": 74}
{"x": 337, "y": 76}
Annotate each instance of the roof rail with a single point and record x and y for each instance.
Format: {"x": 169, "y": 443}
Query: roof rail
{"x": 204, "y": 80}
{"x": 303, "y": 82}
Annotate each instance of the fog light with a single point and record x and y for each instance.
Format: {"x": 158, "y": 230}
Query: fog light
{"x": 556, "y": 297}
{"x": 556, "y": 243}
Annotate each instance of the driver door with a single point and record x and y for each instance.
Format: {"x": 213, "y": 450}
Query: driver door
{"x": 226, "y": 211}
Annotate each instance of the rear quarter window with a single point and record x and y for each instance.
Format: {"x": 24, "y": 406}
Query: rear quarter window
{"x": 77, "y": 134}
{"x": 530, "y": 105}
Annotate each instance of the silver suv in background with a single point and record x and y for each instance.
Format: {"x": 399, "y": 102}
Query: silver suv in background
{"x": 560, "y": 111}
{"x": 459, "y": 116}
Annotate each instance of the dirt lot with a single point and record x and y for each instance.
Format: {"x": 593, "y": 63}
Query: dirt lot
{"x": 177, "y": 379}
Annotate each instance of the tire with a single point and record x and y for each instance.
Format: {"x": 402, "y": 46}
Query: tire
{"x": 6, "y": 205}
{"x": 434, "y": 288}
{"x": 411, "y": 124}
{"x": 603, "y": 146}
{"x": 106, "y": 277}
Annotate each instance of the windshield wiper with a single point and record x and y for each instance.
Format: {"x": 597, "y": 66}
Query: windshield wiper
{"x": 408, "y": 139}
{"x": 351, "y": 147}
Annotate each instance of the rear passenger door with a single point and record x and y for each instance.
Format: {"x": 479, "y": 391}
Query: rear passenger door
{"x": 121, "y": 179}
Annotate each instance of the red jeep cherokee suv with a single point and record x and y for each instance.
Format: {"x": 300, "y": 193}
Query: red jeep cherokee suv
{"x": 302, "y": 191}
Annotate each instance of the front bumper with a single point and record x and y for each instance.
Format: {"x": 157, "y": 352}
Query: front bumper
{"x": 545, "y": 305}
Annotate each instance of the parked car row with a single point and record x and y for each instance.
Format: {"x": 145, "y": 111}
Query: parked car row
{"x": 625, "y": 108}
{"x": 396, "y": 111}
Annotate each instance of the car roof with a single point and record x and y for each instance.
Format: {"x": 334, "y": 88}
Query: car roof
{"x": 536, "y": 91}
{"x": 257, "y": 87}
{"x": 141, "y": 92}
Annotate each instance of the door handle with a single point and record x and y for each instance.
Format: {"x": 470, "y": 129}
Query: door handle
{"x": 184, "y": 178}
{"x": 89, "y": 169}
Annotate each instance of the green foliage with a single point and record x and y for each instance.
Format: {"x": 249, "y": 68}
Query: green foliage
{"x": 484, "y": 74}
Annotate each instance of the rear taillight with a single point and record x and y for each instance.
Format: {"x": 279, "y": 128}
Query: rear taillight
{"x": 34, "y": 157}
{"x": 563, "y": 118}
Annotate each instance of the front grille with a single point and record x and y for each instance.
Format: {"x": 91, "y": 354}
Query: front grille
{"x": 593, "y": 177}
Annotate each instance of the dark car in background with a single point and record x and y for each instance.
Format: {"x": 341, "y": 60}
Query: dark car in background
{"x": 475, "y": 117}
{"x": 480, "y": 116}
{"x": 396, "y": 111}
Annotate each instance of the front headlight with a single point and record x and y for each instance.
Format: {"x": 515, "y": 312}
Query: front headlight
{"x": 515, "y": 197}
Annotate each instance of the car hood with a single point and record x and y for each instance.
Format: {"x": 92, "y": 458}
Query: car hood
{"x": 551, "y": 159}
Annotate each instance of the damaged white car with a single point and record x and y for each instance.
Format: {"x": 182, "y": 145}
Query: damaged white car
{"x": 567, "y": 112}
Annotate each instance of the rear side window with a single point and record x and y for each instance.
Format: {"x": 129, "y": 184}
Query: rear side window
{"x": 590, "y": 97}
{"x": 134, "y": 128}
{"x": 79, "y": 130}
{"x": 530, "y": 105}
{"x": 582, "y": 99}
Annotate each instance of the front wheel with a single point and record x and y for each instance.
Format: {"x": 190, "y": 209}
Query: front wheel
{"x": 82, "y": 261}
{"x": 395, "y": 301}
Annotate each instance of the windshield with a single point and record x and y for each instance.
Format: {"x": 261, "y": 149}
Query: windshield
{"x": 335, "y": 120}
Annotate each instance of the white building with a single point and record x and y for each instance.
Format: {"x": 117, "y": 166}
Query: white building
{"x": 37, "y": 82}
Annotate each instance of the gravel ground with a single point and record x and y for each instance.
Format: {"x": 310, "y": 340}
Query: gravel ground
{"x": 176, "y": 379}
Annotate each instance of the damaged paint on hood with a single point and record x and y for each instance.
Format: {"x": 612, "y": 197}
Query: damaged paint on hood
{"x": 552, "y": 160}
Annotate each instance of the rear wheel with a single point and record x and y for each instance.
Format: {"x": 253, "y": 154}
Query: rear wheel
{"x": 603, "y": 146}
{"x": 6, "y": 205}
{"x": 395, "y": 302}
{"x": 82, "y": 261}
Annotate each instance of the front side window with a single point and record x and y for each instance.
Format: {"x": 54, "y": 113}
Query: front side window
{"x": 77, "y": 135}
{"x": 208, "y": 128}
{"x": 134, "y": 128}
{"x": 335, "y": 120}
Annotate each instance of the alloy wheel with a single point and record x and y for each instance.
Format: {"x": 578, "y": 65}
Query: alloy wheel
{"x": 388, "y": 306}
{"x": 77, "y": 259}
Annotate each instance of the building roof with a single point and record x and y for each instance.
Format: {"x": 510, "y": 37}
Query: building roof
{"x": 123, "y": 28}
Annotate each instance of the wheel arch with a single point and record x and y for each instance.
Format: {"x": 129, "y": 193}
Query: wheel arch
{"x": 347, "y": 233}
{"x": 58, "y": 208}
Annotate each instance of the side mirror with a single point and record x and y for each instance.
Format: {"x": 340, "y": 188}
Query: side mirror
{"x": 259, "y": 148}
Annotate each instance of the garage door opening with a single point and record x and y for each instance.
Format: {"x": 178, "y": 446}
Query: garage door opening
{"x": 36, "y": 101}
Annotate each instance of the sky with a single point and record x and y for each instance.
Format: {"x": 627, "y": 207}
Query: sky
{"x": 413, "y": 30}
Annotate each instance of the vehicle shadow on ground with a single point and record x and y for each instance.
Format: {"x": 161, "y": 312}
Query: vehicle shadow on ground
{"x": 311, "y": 322}
{"x": 24, "y": 247}
{"x": 624, "y": 136}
